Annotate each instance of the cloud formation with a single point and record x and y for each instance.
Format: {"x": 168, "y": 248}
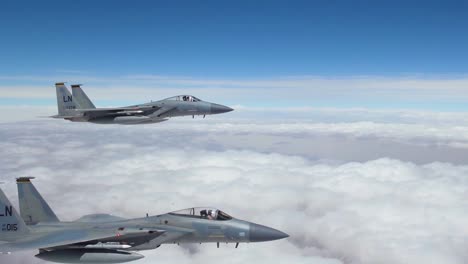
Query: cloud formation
{"x": 373, "y": 211}
{"x": 425, "y": 91}
{"x": 327, "y": 138}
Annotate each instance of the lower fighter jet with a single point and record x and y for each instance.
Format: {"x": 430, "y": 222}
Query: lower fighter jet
{"x": 102, "y": 238}
{"x": 77, "y": 107}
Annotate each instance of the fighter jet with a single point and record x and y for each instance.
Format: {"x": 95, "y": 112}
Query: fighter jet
{"x": 77, "y": 107}
{"x": 102, "y": 238}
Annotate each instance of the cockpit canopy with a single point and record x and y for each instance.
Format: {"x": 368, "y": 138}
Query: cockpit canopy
{"x": 187, "y": 98}
{"x": 204, "y": 213}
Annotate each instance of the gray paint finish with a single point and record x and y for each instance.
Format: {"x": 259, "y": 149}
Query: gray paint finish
{"x": 77, "y": 107}
{"x": 102, "y": 238}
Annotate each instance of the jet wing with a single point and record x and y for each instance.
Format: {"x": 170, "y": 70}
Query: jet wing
{"x": 163, "y": 112}
{"x": 132, "y": 239}
{"x": 171, "y": 235}
{"x": 61, "y": 116}
{"x": 77, "y": 238}
{"x": 137, "y": 110}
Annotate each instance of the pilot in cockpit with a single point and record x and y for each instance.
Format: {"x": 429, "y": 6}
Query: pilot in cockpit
{"x": 188, "y": 98}
{"x": 209, "y": 214}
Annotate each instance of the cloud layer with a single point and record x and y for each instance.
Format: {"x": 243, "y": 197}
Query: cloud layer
{"x": 329, "y": 135}
{"x": 383, "y": 210}
{"x": 427, "y": 92}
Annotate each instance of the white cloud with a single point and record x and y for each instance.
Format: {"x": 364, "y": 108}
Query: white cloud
{"x": 378, "y": 211}
{"x": 303, "y": 90}
{"x": 442, "y": 140}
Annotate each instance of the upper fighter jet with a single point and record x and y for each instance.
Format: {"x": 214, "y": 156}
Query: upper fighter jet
{"x": 102, "y": 238}
{"x": 78, "y": 107}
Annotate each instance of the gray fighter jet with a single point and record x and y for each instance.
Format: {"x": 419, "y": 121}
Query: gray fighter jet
{"x": 77, "y": 107}
{"x": 102, "y": 238}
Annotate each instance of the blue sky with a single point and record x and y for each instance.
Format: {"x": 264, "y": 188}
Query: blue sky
{"x": 233, "y": 40}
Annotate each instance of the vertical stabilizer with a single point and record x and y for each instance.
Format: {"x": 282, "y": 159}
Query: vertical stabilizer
{"x": 33, "y": 208}
{"x": 12, "y": 227}
{"x": 81, "y": 98}
{"x": 66, "y": 105}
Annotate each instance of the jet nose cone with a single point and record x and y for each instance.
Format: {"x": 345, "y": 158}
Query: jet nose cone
{"x": 259, "y": 233}
{"x": 219, "y": 109}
